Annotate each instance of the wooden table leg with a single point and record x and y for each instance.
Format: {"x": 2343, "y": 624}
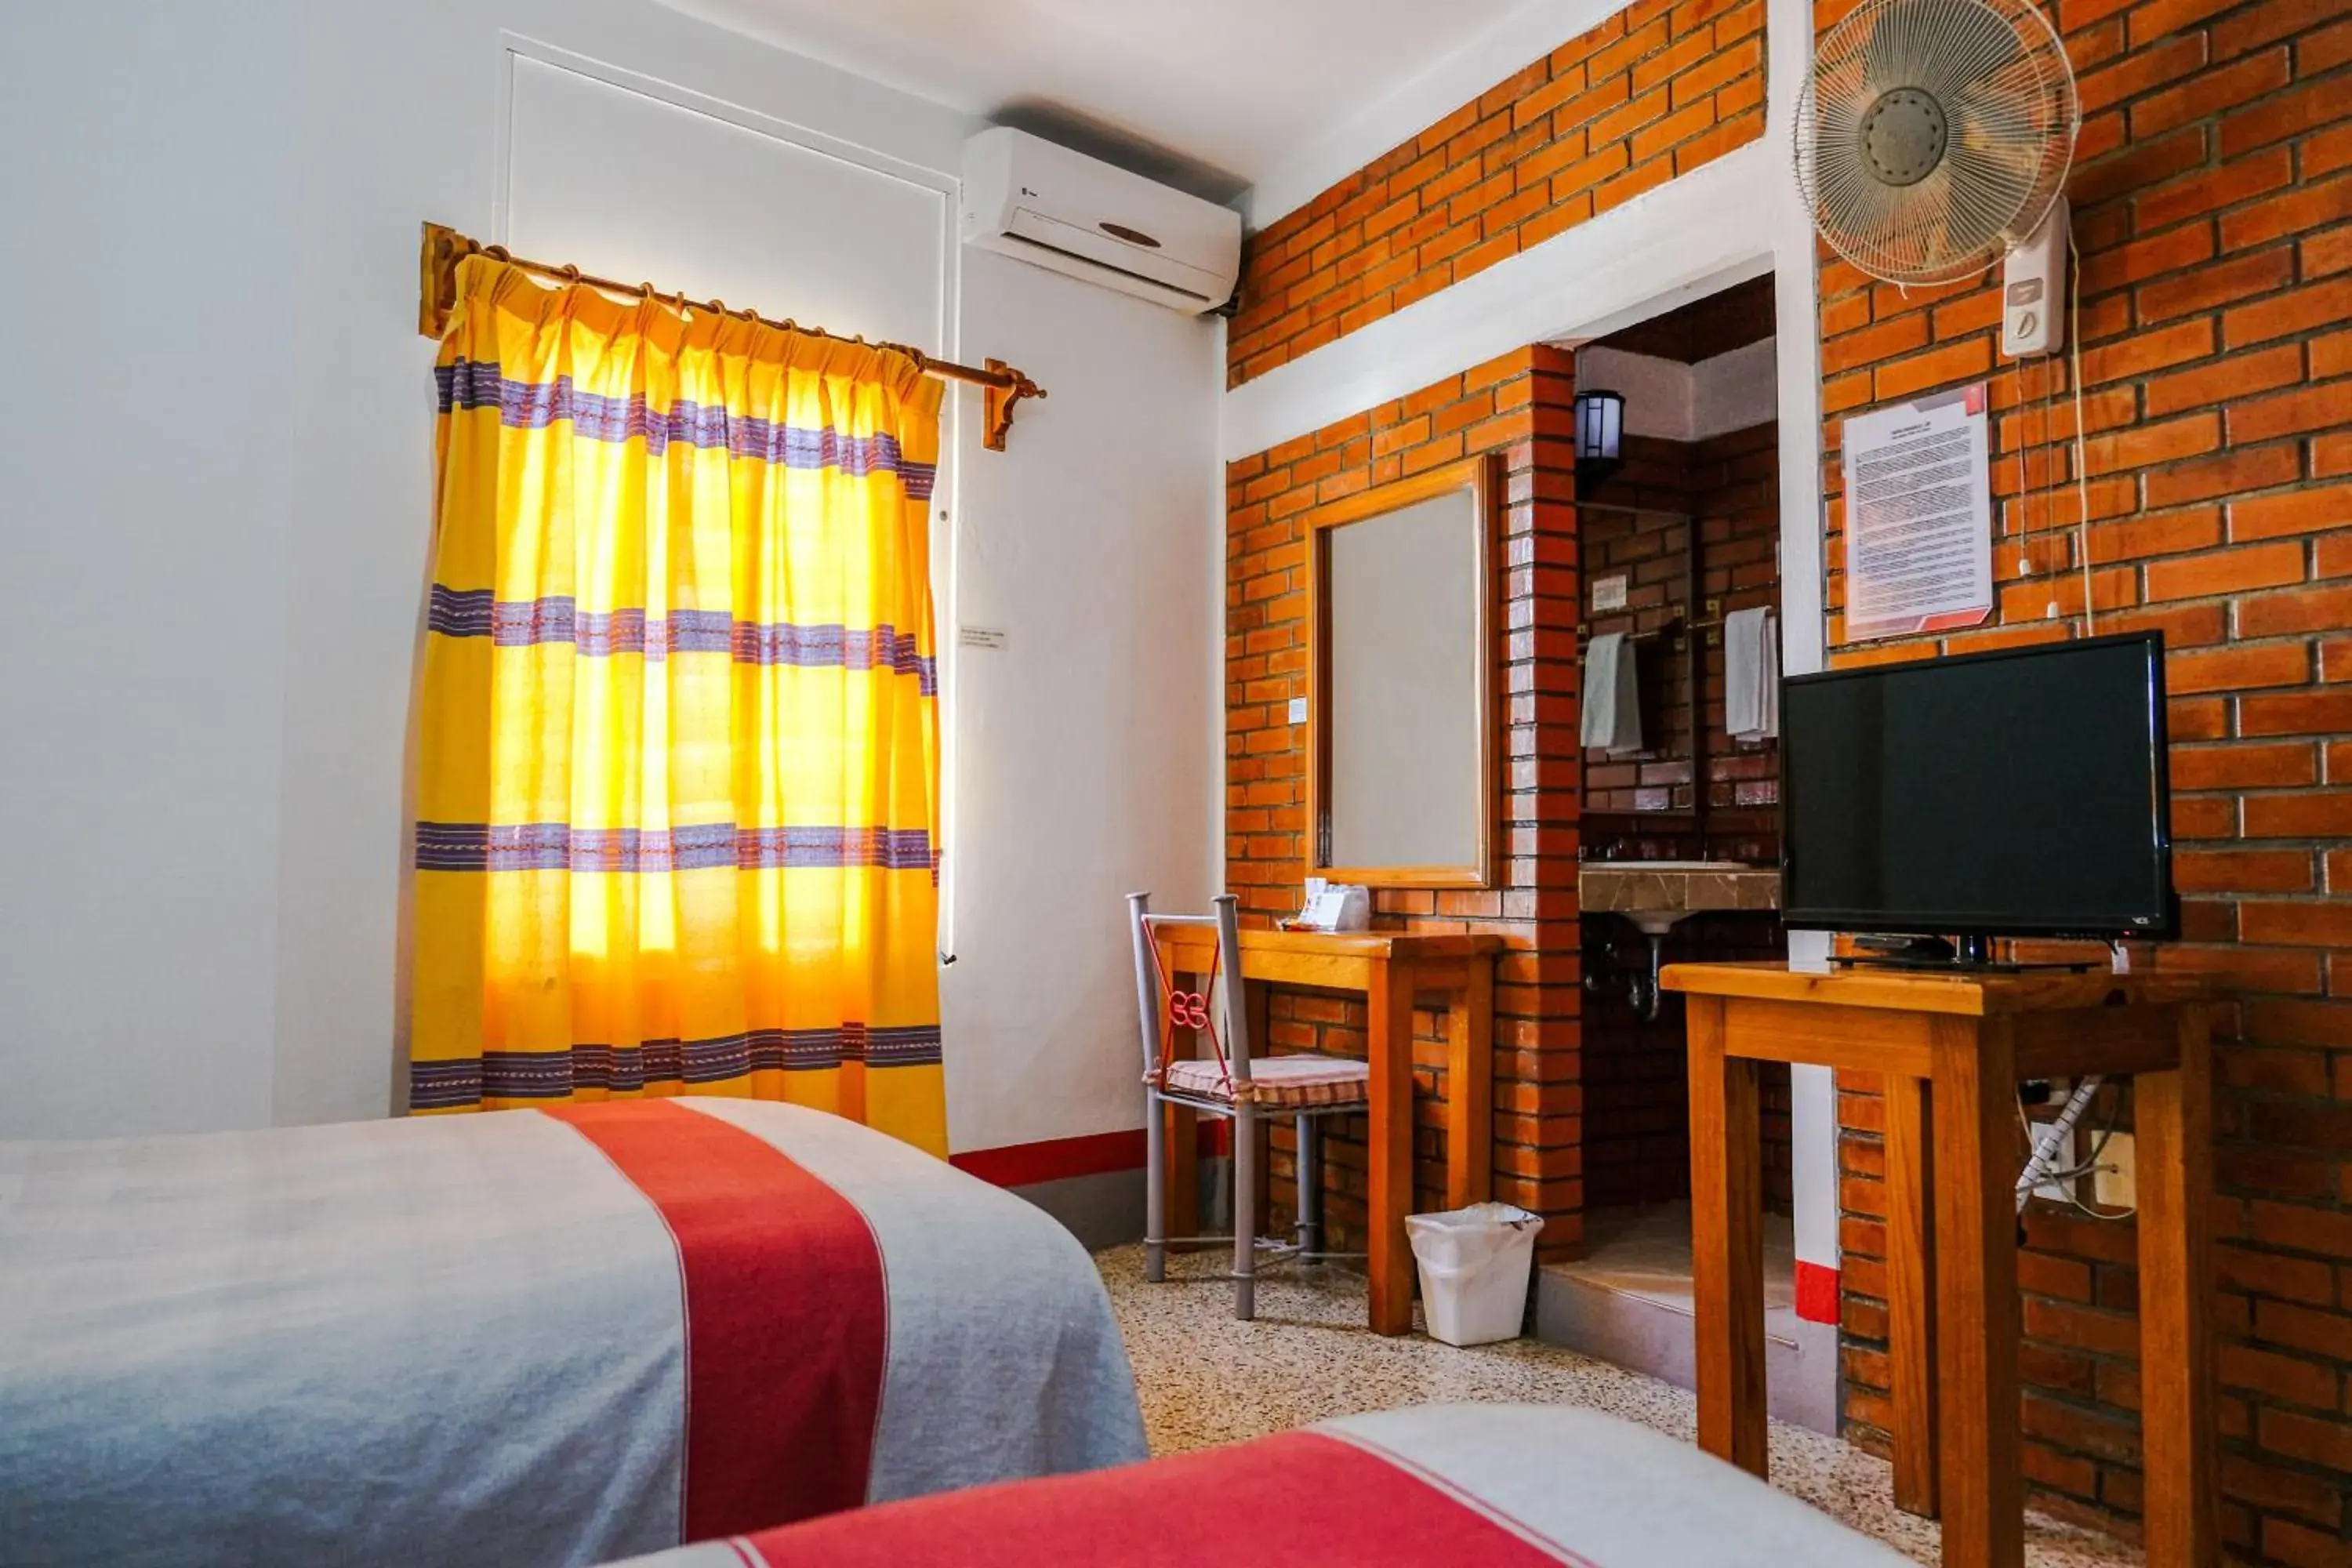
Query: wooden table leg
{"x": 1470, "y": 1089}
{"x": 1911, "y": 1292}
{"x": 1388, "y": 1185}
{"x": 1983, "y": 1489}
{"x": 2173, "y": 1116}
{"x": 1184, "y": 1134}
{"x": 1727, "y": 1242}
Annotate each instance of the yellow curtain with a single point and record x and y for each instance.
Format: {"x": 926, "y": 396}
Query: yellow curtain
{"x": 678, "y": 797}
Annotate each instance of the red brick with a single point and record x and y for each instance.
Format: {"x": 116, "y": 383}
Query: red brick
{"x": 2223, "y": 474}
{"x": 2321, "y": 924}
{"x": 2241, "y": 870}
{"x": 2299, "y": 511}
{"x": 2299, "y": 310}
{"x": 2166, "y": 533}
{"x": 2210, "y": 91}
{"x": 2238, "y": 278}
{"x": 2284, "y": 413}
{"x": 2316, "y": 1440}
{"x": 2195, "y": 194}
{"x": 2238, "y": 668}
{"x": 2320, "y": 814}
{"x": 2308, "y": 208}
{"x": 2299, "y": 713}
{"x": 2299, "y": 610}
{"x": 2280, "y": 115}
{"x": 2225, "y": 570}
{"x": 2225, "y": 380}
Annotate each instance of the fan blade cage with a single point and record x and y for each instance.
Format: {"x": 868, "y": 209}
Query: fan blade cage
{"x": 1986, "y": 107}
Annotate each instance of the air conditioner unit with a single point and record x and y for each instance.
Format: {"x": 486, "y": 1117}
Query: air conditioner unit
{"x": 1026, "y": 197}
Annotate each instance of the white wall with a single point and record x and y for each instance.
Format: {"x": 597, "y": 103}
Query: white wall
{"x": 218, "y": 923}
{"x": 143, "y": 448}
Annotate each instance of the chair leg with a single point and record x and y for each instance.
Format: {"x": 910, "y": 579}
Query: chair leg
{"x": 1310, "y": 1188}
{"x": 1246, "y": 1177}
{"x": 1155, "y": 1188}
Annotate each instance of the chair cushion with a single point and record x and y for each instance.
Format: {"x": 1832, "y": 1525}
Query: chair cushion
{"x": 1303, "y": 1079}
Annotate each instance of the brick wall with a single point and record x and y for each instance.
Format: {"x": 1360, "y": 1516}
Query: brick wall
{"x": 2212, "y": 191}
{"x": 1516, "y": 405}
{"x": 2213, "y": 188}
{"x": 1658, "y": 89}
{"x": 1727, "y": 488}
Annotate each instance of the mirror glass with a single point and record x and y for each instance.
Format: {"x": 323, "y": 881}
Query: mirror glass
{"x": 1401, "y": 707}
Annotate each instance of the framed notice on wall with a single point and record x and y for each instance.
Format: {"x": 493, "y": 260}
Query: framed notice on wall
{"x": 1918, "y": 517}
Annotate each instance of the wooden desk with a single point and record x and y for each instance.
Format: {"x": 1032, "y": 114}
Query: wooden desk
{"x": 1951, "y": 1050}
{"x": 1391, "y": 969}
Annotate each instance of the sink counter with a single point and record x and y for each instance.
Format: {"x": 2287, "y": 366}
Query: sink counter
{"x": 1675, "y": 887}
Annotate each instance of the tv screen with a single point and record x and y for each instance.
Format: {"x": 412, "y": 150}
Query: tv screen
{"x": 2019, "y": 793}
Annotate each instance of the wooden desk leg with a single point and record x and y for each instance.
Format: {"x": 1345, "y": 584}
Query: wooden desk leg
{"x": 1911, "y": 1292}
{"x": 1727, "y": 1242}
{"x": 1983, "y": 1489}
{"x": 1470, "y": 1089}
{"x": 2173, "y": 1114}
{"x": 1388, "y": 1185}
{"x": 1182, "y": 1137}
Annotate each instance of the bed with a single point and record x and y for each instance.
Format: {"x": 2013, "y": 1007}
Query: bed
{"x": 538, "y": 1337}
{"x": 1501, "y": 1486}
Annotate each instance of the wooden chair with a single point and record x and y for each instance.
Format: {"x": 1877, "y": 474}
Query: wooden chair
{"x": 1234, "y": 1084}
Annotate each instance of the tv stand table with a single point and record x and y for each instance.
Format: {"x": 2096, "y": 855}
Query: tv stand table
{"x": 1951, "y": 1050}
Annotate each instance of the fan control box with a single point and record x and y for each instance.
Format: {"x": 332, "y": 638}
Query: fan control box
{"x": 2034, "y": 289}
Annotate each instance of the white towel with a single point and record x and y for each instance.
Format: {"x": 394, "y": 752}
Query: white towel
{"x": 1751, "y": 674}
{"x": 1612, "y": 697}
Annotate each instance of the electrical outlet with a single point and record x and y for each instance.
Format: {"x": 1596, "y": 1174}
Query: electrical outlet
{"x": 2062, "y": 1159}
{"x": 2117, "y": 1188}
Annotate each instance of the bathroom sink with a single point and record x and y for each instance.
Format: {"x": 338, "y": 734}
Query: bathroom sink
{"x": 1656, "y": 894}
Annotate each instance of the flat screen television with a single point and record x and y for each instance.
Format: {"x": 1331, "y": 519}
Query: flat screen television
{"x": 2016, "y": 792}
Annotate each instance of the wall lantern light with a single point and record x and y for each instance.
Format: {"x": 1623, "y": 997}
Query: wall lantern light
{"x": 1600, "y": 436}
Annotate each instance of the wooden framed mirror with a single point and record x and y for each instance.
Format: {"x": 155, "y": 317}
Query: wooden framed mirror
{"x": 1400, "y": 704}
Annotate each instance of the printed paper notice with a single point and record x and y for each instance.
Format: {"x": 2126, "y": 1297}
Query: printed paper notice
{"x": 1918, "y": 517}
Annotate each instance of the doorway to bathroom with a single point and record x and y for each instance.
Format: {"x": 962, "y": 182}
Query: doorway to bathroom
{"x": 1679, "y": 539}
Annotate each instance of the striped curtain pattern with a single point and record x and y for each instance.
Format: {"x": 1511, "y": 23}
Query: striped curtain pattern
{"x": 678, "y": 781}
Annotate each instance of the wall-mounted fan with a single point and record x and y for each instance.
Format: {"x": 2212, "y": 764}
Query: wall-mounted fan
{"x": 1932, "y": 140}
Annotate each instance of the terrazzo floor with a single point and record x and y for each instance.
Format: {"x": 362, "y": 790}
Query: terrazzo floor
{"x": 1207, "y": 1379}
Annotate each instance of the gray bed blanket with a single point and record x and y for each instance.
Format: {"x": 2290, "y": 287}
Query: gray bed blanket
{"x": 464, "y": 1340}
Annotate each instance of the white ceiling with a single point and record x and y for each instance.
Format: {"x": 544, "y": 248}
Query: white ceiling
{"x": 1227, "y": 92}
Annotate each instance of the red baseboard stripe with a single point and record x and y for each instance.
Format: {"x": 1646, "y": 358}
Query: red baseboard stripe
{"x": 1817, "y": 1292}
{"x": 1058, "y": 1159}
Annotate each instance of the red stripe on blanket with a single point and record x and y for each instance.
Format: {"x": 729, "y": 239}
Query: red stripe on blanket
{"x": 786, "y": 1316}
{"x": 1296, "y": 1500}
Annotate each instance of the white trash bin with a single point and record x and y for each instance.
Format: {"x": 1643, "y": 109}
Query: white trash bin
{"x": 1473, "y": 1270}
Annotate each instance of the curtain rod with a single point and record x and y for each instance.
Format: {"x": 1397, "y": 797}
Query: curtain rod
{"x": 443, "y": 248}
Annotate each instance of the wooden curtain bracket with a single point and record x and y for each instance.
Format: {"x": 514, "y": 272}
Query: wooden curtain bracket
{"x": 998, "y": 398}
{"x": 436, "y": 289}
{"x": 443, "y": 248}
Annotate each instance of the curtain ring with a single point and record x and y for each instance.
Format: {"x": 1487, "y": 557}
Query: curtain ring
{"x": 498, "y": 251}
{"x": 572, "y": 272}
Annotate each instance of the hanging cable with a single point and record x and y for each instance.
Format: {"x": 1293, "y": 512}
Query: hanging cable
{"x": 2081, "y": 477}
